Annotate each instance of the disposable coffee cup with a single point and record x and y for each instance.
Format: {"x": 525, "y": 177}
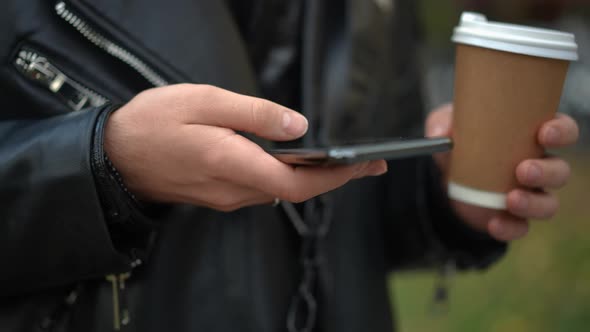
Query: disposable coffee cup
{"x": 508, "y": 82}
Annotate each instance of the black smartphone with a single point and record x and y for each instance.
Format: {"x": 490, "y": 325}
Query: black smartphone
{"x": 353, "y": 153}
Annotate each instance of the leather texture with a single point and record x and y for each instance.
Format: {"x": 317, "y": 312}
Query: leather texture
{"x": 207, "y": 270}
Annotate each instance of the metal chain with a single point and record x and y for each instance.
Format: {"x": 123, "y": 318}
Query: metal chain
{"x": 303, "y": 310}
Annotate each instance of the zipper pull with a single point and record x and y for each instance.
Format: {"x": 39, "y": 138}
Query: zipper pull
{"x": 121, "y": 315}
{"x": 38, "y": 69}
{"x": 115, "y": 286}
{"x": 440, "y": 301}
{"x": 125, "y": 318}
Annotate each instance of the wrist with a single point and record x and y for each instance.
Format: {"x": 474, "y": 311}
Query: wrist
{"x": 461, "y": 228}
{"x": 473, "y": 216}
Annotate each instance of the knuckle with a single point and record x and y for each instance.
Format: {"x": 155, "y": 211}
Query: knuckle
{"x": 206, "y": 89}
{"x": 219, "y": 154}
{"x": 182, "y": 99}
{"x": 185, "y": 90}
{"x": 202, "y": 94}
{"x": 521, "y": 171}
{"x": 259, "y": 112}
{"x": 213, "y": 158}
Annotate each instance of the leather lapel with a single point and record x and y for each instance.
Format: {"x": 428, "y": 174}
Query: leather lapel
{"x": 189, "y": 40}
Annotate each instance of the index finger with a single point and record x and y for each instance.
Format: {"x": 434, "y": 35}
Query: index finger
{"x": 209, "y": 105}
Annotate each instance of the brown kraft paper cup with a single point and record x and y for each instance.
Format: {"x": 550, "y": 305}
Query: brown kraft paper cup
{"x": 501, "y": 101}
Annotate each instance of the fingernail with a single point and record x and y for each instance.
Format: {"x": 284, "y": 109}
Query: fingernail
{"x": 437, "y": 131}
{"x": 379, "y": 169}
{"x": 294, "y": 124}
{"x": 533, "y": 173}
{"x": 552, "y": 135}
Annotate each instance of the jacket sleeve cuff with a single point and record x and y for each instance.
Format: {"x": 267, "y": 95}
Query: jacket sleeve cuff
{"x": 131, "y": 223}
{"x": 466, "y": 247}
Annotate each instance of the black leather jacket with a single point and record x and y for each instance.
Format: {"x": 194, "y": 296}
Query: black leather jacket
{"x": 67, "y": 226}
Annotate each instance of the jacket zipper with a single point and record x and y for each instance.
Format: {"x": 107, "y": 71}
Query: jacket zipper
{"x": 121, "y": 315}
{"x": 107, "y": 45}
{"x": 37, "y": 68}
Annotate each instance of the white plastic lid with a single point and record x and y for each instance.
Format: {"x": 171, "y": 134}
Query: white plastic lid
{"x": 475, "y": 30}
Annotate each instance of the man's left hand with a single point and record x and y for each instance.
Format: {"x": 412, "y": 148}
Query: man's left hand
{"x": 536, "y": 176}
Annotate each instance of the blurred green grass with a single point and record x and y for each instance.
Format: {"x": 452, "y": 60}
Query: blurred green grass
{"x": 543, "y": 284}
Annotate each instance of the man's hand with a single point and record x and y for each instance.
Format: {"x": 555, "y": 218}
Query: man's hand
{"x": 178, "y": 144}
{"x": 535, "y": 175}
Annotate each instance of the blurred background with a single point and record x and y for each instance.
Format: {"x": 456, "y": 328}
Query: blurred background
{"x": 543, "y": 284}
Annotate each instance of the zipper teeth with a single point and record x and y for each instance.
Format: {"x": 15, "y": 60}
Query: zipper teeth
{"x": 28, "y": 56}
{"x": 108, "y": 46}
{"x": 96, "y": 99}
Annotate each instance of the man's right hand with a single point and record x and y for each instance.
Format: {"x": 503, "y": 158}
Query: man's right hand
{"x": 178, "y": 144}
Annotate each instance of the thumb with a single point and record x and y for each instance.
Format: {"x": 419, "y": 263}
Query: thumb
{"x": 223, "y": 108}
{"x": 439, "y": 122}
